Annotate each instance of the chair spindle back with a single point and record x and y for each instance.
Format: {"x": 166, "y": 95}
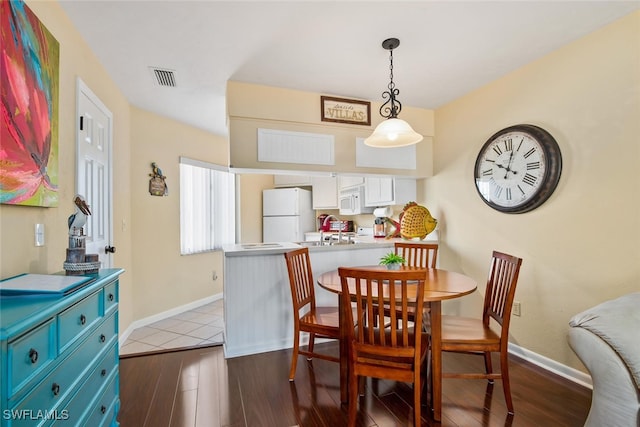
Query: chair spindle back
{"x": 423, "y": 255}
{"x": 300, "y": 279}
{"x": 501, "y": 289}
{"x": 375, "y": 291}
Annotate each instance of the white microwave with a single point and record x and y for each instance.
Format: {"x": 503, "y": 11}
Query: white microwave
{"x": 352, "y": 202}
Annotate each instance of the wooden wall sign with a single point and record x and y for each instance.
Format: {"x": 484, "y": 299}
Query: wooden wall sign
{"x": 341, "y": 110}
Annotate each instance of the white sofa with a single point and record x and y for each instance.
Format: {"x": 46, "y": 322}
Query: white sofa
{"x": 606, "y": 338}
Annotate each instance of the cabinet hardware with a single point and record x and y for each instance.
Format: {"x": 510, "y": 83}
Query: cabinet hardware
{"x": 33, "y": 355}
{"x": 102, "y": 338}
{"x": 55, "y": 389}
{"x": 83, "y": 319}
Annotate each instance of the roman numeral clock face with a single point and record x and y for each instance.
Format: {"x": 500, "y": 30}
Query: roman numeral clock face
{"x": 518, "y": 168}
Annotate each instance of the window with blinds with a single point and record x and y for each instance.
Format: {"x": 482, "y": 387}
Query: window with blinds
{"x": 207, "y": 206}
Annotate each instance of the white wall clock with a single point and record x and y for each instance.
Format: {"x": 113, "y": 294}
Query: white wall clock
{"x": 518, "y": 168}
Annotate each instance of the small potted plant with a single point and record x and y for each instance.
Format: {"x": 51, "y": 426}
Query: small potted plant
{"x": 392, "y": 261}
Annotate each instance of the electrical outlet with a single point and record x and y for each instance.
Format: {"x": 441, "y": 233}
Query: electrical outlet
{"x": 516, "y": 308}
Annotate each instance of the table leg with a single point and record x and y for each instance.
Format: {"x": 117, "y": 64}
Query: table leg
{"x": 344, "y": 351}
{"x": 436, "y": 359}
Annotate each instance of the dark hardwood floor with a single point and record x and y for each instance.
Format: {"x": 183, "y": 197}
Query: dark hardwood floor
{"x": 198, "y": 387}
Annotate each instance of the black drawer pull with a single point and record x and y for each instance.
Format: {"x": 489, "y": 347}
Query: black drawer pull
{"x": 103, "y": 372}
{"x": 102, "y": 338}
{"x": 33, "y": 355}
{"x": 110, "y": 297}
{"x": 83, "y": 319}
{"x": 55, "y": 388}
{"x": 103, "y": 409}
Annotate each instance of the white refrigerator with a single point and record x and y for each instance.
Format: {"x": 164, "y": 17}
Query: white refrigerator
{"x": 287, "y": 214}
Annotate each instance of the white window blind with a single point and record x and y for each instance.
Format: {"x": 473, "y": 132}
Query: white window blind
{"x": 207, "y": 206}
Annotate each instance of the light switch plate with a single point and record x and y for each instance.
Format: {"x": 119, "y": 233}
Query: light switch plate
{"x": 39, "y": 234}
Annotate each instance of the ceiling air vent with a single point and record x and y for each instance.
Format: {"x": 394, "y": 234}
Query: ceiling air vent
{"x": 164, "y": 77}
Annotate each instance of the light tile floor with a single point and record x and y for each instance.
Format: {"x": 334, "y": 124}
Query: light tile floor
{"x": 201, "y": 326}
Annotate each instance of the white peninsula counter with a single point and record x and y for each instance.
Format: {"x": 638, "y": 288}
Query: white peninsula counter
{"x": 257, "y": 298}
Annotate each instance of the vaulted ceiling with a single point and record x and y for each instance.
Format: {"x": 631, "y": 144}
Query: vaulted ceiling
{"x": 447, "y": 48}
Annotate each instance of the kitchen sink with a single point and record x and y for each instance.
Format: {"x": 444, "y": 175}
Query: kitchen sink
{"x": 326, "y": 243}
{"x": 310, "y": 243}
{"x": 261, "y": 245}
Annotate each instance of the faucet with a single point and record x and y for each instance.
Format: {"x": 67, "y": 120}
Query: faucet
{"x": 325, "y": 223}
{"x": 328, "y": 218}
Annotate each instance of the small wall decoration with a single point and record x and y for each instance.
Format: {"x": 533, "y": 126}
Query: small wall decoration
{"x": 340, "y": 110}
{"x": 29, "y": 131}
{"x": 157, "y": 184}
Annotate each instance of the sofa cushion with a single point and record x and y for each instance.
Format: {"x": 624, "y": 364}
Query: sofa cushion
{"x": 617, "y": 322}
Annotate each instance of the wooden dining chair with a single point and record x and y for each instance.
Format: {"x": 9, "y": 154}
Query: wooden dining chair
{"x": 321, "y": 322}
{"x": 423, "y": 255}
{"x": 395, "y": 351}
{"x": 491, "y": 333}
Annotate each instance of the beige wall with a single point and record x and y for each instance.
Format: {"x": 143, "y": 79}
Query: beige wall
{"x": 251, "y": 186}
{"x": 251, "y": 107}
{"x": 582, "y": 246}
{"x": 18, "y": 253}
{"x": 163, "y": 278}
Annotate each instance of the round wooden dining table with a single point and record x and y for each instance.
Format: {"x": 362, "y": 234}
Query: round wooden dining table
{"x": 440, "y": 285}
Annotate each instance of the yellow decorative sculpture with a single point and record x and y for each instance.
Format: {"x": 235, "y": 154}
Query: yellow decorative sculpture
{"x": 416, "y": 221}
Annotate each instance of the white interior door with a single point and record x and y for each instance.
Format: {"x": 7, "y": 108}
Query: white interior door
{"x": 94, "y": 171}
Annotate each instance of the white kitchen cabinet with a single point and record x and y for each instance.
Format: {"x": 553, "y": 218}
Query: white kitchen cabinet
{"x": 324, "y": 192}
{"x": 387, "y": 191}
{"x": 378, "y": 191}
{"x": 291, "y": 180}
{"x": 350, "y": 181}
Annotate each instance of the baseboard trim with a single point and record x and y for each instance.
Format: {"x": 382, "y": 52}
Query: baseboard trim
{"x": 551, "y": 365}
{"x": 164, "y": 315}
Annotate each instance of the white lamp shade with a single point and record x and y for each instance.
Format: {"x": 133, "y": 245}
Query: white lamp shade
{"x": 393, "y": 133}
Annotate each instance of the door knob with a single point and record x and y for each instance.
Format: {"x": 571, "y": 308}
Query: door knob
{"x": 109, "y": 249}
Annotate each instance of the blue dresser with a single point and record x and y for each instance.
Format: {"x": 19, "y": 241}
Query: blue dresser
{"x": 60, "y": 356}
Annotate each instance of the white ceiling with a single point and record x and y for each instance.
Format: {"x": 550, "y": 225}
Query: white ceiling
{"x": 447, "y": 48}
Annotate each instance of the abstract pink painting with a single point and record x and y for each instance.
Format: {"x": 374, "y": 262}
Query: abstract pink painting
{"x": 29, "y": 130}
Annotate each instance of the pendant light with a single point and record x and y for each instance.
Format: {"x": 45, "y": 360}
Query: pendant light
{"x": 393, "y": 132}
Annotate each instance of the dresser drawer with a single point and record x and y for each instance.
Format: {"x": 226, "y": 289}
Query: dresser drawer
{"x": 61, "y": 383}
{"x": 94, "y": 385}
{"x": 77, "y": 320}
{"x": 59, "y": 355}
{"x": 30, "y": 354}
{"x": 103, "y": 412}
{"x": 111, "y": 297}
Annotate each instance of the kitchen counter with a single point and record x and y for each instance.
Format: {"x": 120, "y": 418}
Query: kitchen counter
{"x": 257, "y": 298}
{"x": 274, "y": 248}
{"x": 258, "y": 249}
